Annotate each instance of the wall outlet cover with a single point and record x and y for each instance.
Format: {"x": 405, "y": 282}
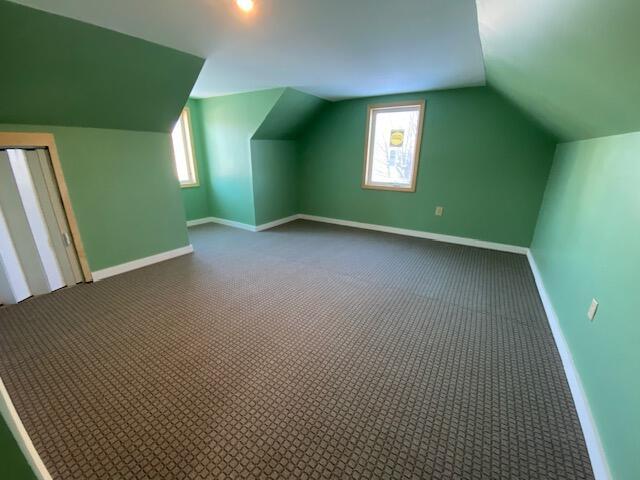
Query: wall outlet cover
{"x": 439, "y": 211}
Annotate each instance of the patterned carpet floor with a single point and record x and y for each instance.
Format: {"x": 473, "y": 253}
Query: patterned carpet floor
{"x": 306, "y": 351}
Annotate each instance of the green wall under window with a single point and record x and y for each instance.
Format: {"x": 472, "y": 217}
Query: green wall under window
{"x": 481, "y": 159}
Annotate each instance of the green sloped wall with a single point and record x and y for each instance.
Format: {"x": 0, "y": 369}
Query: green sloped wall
{"x": 288, "y": 117}
{"x": 59, "y": 71}
{"x": 572, "y": 64}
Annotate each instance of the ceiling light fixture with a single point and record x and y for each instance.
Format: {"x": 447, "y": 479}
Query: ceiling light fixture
{"x": 245, "y": 5}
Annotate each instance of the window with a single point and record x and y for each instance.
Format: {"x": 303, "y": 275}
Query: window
{"x": 183, "y": 151}
{"x": 393, "y": 146}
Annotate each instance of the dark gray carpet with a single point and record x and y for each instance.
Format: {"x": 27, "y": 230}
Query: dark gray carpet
{"x": 307, "y": 351}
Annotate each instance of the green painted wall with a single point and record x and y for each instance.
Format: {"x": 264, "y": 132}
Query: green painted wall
{"x": 59, "y": 71}
{"x": 13, "y": 465}
{"x": 586, "y": 247}
{"x": 227, "y": 125}
{"x": 573, "y": 64}
{"x": 274, "y": 155}
{"x": 196, "y": 199}
{"x": 275, "y": 179}
{"x": 481, "y": 159}
{"x": 124, "y": 191}
{"x": 247, "y": 144}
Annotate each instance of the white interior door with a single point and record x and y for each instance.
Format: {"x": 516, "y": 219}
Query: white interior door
{"x": 53, "y": 212}
{"x": 19, "y": 230}
{"x": 36, "y": 249}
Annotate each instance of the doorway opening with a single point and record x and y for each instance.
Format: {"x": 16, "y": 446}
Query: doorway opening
{"x": 39, "y": 250}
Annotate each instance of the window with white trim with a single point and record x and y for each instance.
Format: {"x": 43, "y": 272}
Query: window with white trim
{"x": 183, "y": 151}
{"x": 392, "y": 152}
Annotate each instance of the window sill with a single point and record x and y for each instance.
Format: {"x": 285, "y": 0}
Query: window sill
{"x": 394, "y": 188}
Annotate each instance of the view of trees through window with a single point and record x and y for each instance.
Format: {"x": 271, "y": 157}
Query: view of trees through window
{"x": 393, "y": 139}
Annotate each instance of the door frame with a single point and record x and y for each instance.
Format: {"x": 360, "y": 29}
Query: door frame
{"x": 47, "y": 140}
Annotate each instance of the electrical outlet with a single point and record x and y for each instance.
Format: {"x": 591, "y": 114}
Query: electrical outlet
{"x": 593, "y": 309}
{"x": 439, "y": 211}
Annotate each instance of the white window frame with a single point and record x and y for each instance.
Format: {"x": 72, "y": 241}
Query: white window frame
{"x": 187, "y": 138}
{"x": 367, "y": 183}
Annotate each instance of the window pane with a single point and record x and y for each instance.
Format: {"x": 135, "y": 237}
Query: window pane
{"x": 183, "y": 152}
{"x": 392, "y": 146}
{"x": 180, "y": 151}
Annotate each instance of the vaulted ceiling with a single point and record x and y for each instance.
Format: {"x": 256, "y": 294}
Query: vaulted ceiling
{"x": 571, "y": 64}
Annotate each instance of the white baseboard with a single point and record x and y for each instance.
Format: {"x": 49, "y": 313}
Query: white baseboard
{"x": 12, "y": 419}
{"x": 275, "y": 223}
{"x": 221, "y": 221}
{"x": 502, "y": 247}
{"x": 243, "y": 226}
{"x": 589, "y": 428}
{"x": 199, "y": 221}
{"x": 139, "y": 263}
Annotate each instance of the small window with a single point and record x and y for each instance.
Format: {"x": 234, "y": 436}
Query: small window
{"x": 393, "y": 146}
{"x": 183, "y": 151}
